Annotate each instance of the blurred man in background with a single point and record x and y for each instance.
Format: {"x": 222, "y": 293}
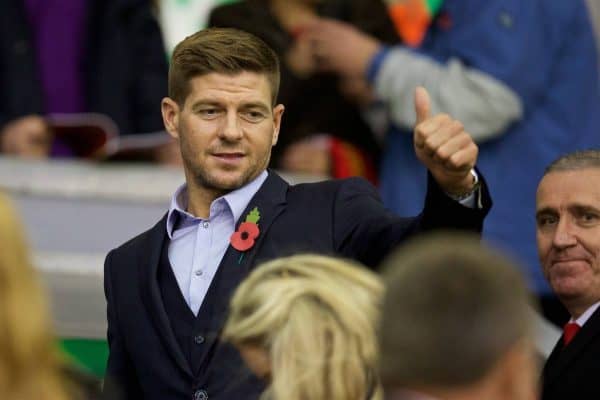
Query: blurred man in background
{"x": 456, "y": 324}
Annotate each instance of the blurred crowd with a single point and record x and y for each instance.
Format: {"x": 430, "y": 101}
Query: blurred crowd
{"x": 86, "y": 78}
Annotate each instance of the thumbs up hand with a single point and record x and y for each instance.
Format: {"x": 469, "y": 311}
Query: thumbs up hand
{"x": 443, "y": 146}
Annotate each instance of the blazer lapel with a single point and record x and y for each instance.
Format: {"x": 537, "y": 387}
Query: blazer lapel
{"x": 270, "y": 201}
{"x": 152, "y": 299}
{"x": 561, "y": 358}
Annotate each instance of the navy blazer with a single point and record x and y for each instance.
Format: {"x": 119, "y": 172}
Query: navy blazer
{"x": 343, "y": 217}
{"x": 571, "y": 372}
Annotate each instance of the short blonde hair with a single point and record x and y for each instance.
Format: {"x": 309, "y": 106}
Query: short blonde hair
{"x": 29, "y": 359}
{"x": 316, "y": 318}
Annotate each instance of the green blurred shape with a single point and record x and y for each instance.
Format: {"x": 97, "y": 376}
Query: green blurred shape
{"x": 434, "y": 6}
{"x": 89, "y": 354}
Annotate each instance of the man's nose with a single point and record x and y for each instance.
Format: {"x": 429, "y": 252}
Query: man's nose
{"x": 231, "y": 129}
{"x": 564, "y": 235}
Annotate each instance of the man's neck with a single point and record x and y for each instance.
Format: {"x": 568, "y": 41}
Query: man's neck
{"x": 200, "y": 199}
{"x": 577, "y": 310}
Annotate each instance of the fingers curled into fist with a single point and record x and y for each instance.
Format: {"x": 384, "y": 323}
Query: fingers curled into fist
{"x": 443, "y": 146}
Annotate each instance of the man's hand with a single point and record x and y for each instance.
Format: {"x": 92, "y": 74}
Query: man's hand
{"x": 340, "y": 47}
{"x": 300, "y": 58}
{"x": 27, "y": 136}
{"x": 443, "y": 146}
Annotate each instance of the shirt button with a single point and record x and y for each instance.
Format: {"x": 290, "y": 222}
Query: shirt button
{"x": 200, "y": 395}
{"x": 199, "y": 339}
{"x": 205, "y": 225}
{"x": 199, "y": 272}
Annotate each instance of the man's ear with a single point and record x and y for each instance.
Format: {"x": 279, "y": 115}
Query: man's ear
{"x": 277, "y": 115}
{"x": 170, "y": 114}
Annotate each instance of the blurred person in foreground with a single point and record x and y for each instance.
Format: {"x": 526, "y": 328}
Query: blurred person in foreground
{"x": 168, "y": 289}
{"x": 306, "y": 325}
{"x": 456, "y": 324}
{"x": 31, "y": 367}
{"x": 568, "y": 239}
{"x": 522, "y": 77}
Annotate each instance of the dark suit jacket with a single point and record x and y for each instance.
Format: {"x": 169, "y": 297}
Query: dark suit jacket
{"x": 572, "y": 372}
{"x": 124, "y": 64}
{"x": 343, "y": 218}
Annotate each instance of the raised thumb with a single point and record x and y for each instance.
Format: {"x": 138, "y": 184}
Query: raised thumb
{"x": 422, "y": 104}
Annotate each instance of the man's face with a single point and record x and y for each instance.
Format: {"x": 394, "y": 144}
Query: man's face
{"x": 226, "y": 129}
{"x": 568, "y": 235}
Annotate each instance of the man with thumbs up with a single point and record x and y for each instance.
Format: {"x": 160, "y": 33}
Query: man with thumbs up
{"x": 168, "y": 289}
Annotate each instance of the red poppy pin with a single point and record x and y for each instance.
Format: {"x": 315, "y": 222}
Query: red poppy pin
{"x": 244, "y": 238}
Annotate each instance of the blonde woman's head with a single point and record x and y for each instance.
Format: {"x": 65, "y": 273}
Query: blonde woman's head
{"x": 28, "y": 357}
{"x": 308, "y": 322}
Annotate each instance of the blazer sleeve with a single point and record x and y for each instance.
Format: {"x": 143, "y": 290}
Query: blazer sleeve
{"x": 120, "y": 370}
{"x": 366, "y": 231}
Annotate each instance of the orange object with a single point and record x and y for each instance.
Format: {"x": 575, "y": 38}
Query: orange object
{"x": 411, "y": 19}
{"x": 348, "y": 160}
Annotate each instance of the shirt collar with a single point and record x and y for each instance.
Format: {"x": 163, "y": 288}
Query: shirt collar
{"x": 586, "y": 315}
{"x": 237, "y": 200}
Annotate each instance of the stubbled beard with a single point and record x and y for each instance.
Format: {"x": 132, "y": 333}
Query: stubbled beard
{"x": 208, "y": 181}
{"x": 203, "y": 178}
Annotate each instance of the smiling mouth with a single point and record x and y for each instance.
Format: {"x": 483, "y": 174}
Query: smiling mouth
{"x": 568, "y": 262}
{"x": 230, "y": 159}
{"x": 229, "y": 156}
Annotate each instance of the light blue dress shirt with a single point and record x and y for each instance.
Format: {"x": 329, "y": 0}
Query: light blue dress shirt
{"x": 197, "y": 245}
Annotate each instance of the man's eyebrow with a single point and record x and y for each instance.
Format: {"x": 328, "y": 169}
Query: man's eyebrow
{"x": 583, "y": 208}
{"x": 244, "y": 106}
{"x": 577, "y": 207}
{"x": 256, "y": 105}
{"x": 202, "y": 103}
{"x": 545, "y": 211}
